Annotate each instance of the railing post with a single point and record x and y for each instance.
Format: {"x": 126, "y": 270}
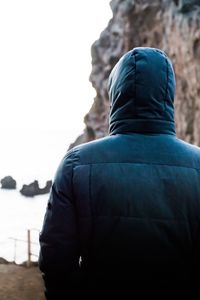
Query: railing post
{"x": 29, "y": 247}
{"x": 15, "y": 250}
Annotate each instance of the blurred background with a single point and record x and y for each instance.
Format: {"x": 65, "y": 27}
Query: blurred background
{"x": 45, "y": 92}
{"x": 45, "y": 64}
{"x": 55, "y": 59}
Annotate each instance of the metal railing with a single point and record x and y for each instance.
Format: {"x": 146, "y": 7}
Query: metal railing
{"x": 29, "y": 244}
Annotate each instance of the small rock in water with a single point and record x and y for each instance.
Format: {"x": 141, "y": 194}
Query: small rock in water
{"x": 8, "y": 183}
{"x": 33, "y": 189}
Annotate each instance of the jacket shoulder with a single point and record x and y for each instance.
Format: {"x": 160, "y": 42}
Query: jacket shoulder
{"x": 190, "y": 148}
{"x": 92, "y": 151}
{"x": 189, "y": 152}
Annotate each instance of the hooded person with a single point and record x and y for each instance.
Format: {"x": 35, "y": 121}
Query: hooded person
{"x": 128, "y": 204}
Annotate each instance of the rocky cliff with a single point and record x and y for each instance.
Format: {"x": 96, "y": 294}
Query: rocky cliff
{"x": 171, "y": 25}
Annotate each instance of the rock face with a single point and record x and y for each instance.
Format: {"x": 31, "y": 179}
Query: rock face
{"x": 8, "y": 183}
{"x": 173, "y": 26}
{"x": 3, "y": 261}
{"x": 33, "y": 189}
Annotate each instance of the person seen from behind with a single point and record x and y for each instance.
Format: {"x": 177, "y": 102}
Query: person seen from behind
{"x": 126, "y": 208}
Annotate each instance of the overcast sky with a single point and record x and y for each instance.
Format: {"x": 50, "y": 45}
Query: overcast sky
{"x": 45, "y": 61}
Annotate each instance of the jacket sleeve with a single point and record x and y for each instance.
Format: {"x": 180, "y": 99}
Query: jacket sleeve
{"x": 59, "y": 243}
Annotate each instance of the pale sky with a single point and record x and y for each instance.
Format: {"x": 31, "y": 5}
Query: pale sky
{"x": 45, "y": 61}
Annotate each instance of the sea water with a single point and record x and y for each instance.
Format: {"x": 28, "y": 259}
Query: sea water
{"x": 26, "y": 156}
{"x": 18, "y": 214}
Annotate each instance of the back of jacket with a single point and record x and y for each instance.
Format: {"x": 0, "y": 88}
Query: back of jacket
{"x": 137, "y": 199}
{"x": 128, "y": 205}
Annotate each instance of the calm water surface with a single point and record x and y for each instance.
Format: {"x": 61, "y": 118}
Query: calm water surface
{"x": 26, "y": 156}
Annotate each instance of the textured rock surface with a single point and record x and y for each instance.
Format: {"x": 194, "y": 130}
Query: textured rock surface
{"x": 8, "y": 183}
{"x": 33, "y": 189}
{"x": 173, "y": 26}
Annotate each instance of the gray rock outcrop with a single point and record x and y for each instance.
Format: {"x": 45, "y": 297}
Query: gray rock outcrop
{"x": 8, "y": 183}
{"x": 33, "y": 189}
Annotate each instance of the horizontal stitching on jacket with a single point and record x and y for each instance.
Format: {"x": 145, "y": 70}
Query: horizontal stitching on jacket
{"x": 138, "y": 120}
{"x": 142, "y": 163}
{"x": 140, "y": 218}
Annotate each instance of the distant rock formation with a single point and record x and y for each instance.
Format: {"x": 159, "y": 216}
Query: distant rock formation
{"x": 33, "y": 189}
{"x": 8, "y": 183}
{"x": 3, "y": 261}
{"x": 173, "y": 26}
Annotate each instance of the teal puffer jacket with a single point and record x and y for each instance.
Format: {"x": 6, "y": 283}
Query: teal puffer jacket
{"x": 127, "y": 204}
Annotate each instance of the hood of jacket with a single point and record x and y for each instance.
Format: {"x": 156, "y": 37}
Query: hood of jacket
{"x": 141, "y": 89}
